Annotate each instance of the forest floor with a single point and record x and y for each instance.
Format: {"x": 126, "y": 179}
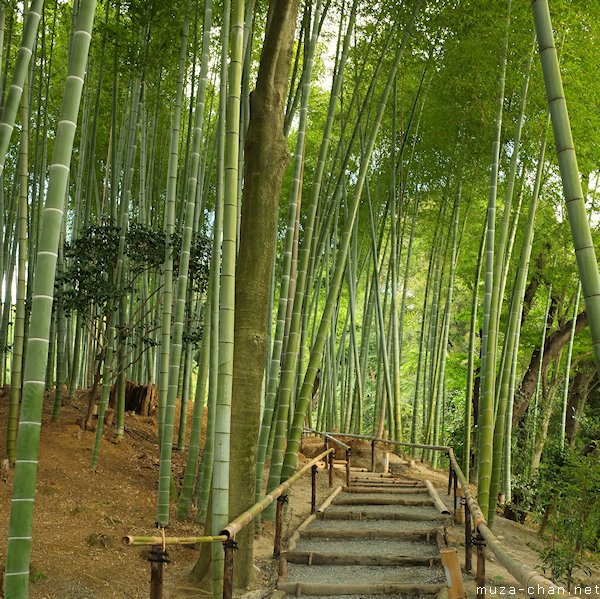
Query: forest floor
{"x": 81, "y": 515}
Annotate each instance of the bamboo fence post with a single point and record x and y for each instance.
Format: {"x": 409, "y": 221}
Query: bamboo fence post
{"x": 348, "y": 452}
{"x": 281, "y": 501}
{"x": 328, "y": 462}
{"x": 330, "y": 458}
{"x": 455, "y": 485}
{"x": 157, "y": 559}
{"x": 313, "y": 489}
{"x": 228, "y": 547}
{"x": 468, "y": 538}
{"x": 456, "y": 589}
{"x": 459, "y": 511}
{"x": 450, "y": 475}
{"x": 479, "y": 542}
{"x": 373, "y": 455}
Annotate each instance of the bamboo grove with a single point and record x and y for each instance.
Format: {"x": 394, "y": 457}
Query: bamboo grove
{"x": 355, "y": 217}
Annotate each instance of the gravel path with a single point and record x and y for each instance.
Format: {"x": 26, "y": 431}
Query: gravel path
{"x": 368, "y": 596}
{"x": 362, "y": 574}
{"x": 396, "y": 517}
{"x": 368, "y": 547}
{"x": 402, "y": 525}
{"x": 369, "y": 497}
{"x": 398, "y": 510}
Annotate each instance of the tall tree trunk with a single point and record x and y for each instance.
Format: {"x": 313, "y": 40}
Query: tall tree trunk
{"x": 553, "y": 345}
{"x": 266, "y": 151}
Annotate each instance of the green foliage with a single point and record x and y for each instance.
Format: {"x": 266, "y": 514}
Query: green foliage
{"x": 569, "y": 488}
{"x": 92, "y": 258}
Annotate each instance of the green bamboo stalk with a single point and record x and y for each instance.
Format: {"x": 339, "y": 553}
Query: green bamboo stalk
{"x": 569, "y": 171}
{"x": 446, "y": 322}
{"x": 181, "y": 293}
{"x": 204, "y": 484}
{"x": 565, "y": 398}
{"x": 382, "y": 347}
{"x": 522, "y": 272}
{"x": 317, "y": 349}
{"x": 21, "y": 70}
{"x": 19, "y": 329}
{"x": 491, "y": 302}
{"x": 166, "y": 407}
{"x": 466, "y": 458}
{"x": 191, "y": 464}
{"x": 511, "y": 346}
{"x": 539, "y": 370}
{"x": 220, "y": 479}
{"x": 21, "y": 518}
{"x": 394, "y": 259}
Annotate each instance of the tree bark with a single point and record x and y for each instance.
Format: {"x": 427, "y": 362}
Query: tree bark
{"x": 578, "y": 395}
{"x": 266, "y": 158}
{"x": 554, "y": 344}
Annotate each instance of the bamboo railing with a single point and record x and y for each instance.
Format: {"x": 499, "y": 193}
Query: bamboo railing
{"x": 159, "y": 556}
{"x": 533, "y": 583}
{"x": 477, "y": 532}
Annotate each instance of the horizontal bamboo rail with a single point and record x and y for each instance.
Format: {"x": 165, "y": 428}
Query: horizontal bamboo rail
{"x": 133, "y": 540}
{"x": 535, "y": 584}
{"x": 439, "y": 504}
{"x": 159, "y": 556}
{"x": 235, "y": 526}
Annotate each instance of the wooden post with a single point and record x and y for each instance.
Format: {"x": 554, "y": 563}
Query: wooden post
{"x": 450, "y": 474}
{"x": 459, "y": 512}
{"x": 313, "y": 490}
{"x": 228, "y": 546}
{"x": 468, "y": 539}
{"x": 480, "y": 578}
{"x": 281, "y": 501}
{"x": 455, "y": 485}
{"x": 157, "y": 559}
{"x": 348, "y": 452}
{"x": 330, "y": 458}
{"x": 373, "y": 455}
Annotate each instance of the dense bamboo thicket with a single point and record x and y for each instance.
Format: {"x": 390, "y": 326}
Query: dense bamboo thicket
{"x": 271, "y": 214}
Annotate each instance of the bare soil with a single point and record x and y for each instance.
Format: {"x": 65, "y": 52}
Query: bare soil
{"x": 82, "y": 515}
